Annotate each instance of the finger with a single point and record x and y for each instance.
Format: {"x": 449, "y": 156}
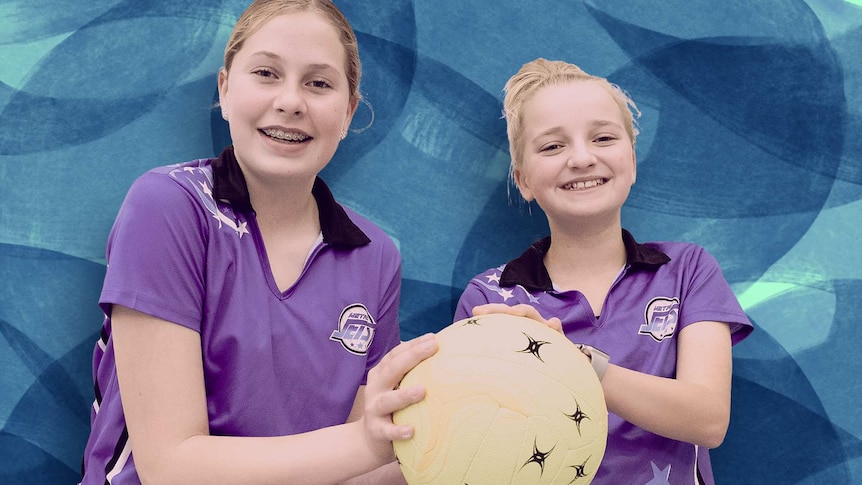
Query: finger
{"x": 396, "y": 432}
{"x": 527, "y": 311}
{"x": 421, "y": 344}
{"x": 394, "y": 365}
{"x": 391, "y": 402}
{"x": 555, "y": 324}
{"x": 489, "y": 308}
{"x": 396, "y": 400}
{"x": 519, "y": 310}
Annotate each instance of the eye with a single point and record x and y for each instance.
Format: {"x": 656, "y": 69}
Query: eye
{"x": 606, "y": 138}
{"x": 264, "y": 72}
{"x": 320, "y": 84}
{"x": 550, "y": 147}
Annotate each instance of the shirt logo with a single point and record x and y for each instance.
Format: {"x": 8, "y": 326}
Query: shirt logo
{"x": 661, "y": 317}
{"x": 355, "y": 329}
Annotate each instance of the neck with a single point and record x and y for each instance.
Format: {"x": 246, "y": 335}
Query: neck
{"x": 585, "y": 251}
{"x": 281, "y": 205}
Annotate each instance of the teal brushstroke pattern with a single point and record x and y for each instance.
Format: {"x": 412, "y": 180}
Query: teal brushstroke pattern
{"x": 750, "y": 147}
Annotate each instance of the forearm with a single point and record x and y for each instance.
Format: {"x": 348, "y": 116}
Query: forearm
{"x": 159, "y": 362}
{"x": 680, "y": 410}
{"x": 389, "y": 474}
{"x": 302, "y": 459}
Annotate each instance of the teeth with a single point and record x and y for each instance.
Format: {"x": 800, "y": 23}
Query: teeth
{"x": 584, "y": 185}
{"x": 283, "y": 135}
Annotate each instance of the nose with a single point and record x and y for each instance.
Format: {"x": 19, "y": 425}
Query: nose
{"x": 580, "y": 155}
{"x": 290, "y": 99}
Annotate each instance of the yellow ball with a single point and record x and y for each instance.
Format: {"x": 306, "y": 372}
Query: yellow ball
{"x": 508, "y": 400}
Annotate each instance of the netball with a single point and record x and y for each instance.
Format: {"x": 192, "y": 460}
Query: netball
{"x": 508, "y": 400}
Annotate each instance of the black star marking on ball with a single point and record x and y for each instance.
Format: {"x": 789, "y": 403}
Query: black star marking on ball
{"x": 533, "y": 347}
{"x": 578, "y": 416}
{"x": 580, "y": 471}
{"x": 472, "y": 321}
{"x": 538, "y": 457}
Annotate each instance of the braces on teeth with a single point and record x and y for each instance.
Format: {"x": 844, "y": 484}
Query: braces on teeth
{"x": 285, "y": 136}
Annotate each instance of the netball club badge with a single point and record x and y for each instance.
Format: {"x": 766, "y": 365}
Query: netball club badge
{"x": 355, "y": 329}
{"x": 661, "y": 315}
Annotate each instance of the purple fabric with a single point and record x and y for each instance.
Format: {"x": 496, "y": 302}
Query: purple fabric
{"x": 274, "y": 363}
{"x": 652, "y": 300}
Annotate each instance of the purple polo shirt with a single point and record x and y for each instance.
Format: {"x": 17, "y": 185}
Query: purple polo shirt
{"x": 186, "y": 248}
{"x": 664, "y": 287}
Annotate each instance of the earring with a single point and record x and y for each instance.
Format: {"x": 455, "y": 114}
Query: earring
{"x": 224, "y": 115}
{"x": 343, "y": 134}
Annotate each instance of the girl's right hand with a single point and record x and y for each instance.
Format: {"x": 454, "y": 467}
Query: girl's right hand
{"x": 520, "y": 310}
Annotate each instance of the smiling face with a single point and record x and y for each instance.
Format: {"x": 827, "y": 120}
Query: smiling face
{"x": 578, "y": 159}
{"x": 286, "y": 97}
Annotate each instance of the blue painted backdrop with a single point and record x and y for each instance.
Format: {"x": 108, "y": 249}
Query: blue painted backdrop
{"x": 752, "y": 115}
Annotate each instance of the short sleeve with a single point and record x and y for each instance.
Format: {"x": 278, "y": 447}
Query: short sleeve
{"x": 156, "y": 253}
{"x": 710, "y": 298}
{"x": 472, "y": 296}
{"x": 388, "y": 334}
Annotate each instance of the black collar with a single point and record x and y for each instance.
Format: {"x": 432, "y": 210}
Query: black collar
{"x": 528, "y": 269}
{"x": 337, "y": 228}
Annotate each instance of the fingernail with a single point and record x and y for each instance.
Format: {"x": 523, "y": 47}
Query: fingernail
{"x": 417, "y": 392}
{"x": 427, "y": 341}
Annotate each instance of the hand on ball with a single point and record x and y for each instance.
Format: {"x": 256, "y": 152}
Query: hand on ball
{"x": 520, "y": 310}
{"x": 383, "y": 397}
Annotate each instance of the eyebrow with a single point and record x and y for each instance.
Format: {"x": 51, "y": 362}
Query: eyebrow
{"x": 593, "y": 124}
{"x": 268, "y": 54}
{"x": 274, "y": 56}
{"x": 601, "y": 123}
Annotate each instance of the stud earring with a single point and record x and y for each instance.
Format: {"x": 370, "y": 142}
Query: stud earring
{"x": 343, "y": 134}
{"x": 224, "y": 115}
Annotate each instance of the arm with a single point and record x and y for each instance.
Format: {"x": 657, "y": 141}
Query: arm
{"x": 694, "y": 407}
{"x": 389, "y": 474}
{"x": 159, "y": 367}
{"x": 696, "y": 404}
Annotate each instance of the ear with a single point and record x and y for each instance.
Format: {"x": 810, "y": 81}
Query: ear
{"x": 522, "y": 184}
{"x": 634, "y": 166}
{"x": 222, "y": 89}
{"x": 351, "y": 110}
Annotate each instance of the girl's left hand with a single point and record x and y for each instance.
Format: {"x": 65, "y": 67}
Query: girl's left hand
{"x": 520, "y": 310}
{"x": 383, "y": 396}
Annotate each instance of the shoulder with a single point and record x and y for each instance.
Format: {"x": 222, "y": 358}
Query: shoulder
{"x": 685, "y": 262}
{"x": 482, "y": 288}
{"x": 488, "y": 280}
{"x": 170, "y": 181}
{"x": 170, "y": 197}
{"x": 675, "y": 248}
{"x": 490, "y": 273}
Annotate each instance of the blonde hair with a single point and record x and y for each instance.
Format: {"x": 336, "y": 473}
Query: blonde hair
{"x": 262, "y": 11}
{"x": 540, "y": 73}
